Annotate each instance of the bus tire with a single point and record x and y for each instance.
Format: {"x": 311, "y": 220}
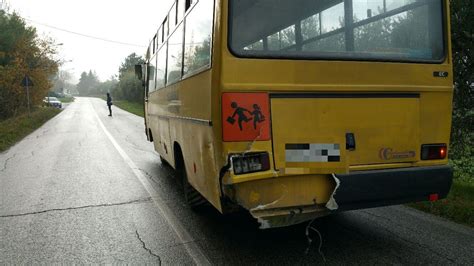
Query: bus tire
{"x": 164, "y": 162}
{"x": 193, "y": 198}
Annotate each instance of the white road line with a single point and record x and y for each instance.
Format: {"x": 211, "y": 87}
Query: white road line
{"x": 188, "y": 242}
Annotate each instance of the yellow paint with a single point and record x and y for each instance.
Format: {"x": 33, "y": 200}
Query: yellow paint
{"x": 254, "y": 197}
{"x": 400, "y": 124}
{"x": 298, "y": 190}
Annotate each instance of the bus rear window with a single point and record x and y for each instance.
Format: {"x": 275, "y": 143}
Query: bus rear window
{"x": 381, "y": 30}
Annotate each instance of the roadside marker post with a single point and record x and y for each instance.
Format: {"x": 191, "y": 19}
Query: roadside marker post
{"x": 26, "y": 82}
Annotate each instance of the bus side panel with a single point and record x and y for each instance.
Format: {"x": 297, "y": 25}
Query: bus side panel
{"x": 159, "y": 126}
{"x": 165, "y": 144}
{"x": 196, "y": 141}
{"x": 181, "y": 114}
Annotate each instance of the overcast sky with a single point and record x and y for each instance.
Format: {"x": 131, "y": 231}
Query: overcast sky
{"x": 131, "y": 22}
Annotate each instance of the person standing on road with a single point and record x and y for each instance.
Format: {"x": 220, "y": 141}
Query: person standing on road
{"x": 109, "y": 103}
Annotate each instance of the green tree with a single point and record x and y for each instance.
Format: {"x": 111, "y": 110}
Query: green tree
{"x": 107, "y": 86}
{"x": 22, "y": 53}
{"x": 128, "y": 65}
{"x": 128, "y": 86}
{"x": 62, "y": 82}
{"x": 88, "y": 84}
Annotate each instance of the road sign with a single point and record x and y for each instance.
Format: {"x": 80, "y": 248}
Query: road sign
{"x": 26, "y": 82}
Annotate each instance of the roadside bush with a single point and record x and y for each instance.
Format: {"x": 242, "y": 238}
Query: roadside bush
{"x": 462, "y": 136}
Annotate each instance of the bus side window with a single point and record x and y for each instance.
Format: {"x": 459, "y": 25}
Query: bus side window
{"x": 165, "y": 29}
{"x": 151, "y": 72}
{"x": 189, "y": 3}
{"x": 172, "y": 18}
{"x": 175, "y": 56}
{"x": 159, "y": 38}
{"x": 198, "y": 37}
{"x": 181, "y": 9}
{"x": 161, "y": 67}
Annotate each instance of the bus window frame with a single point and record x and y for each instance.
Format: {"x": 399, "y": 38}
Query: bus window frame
{"x": 182, "y": 57}
{"x": 180, "y": 10}
{"x": 159, "y": 34}
{"x": 190, "y": 7}
{"x": 166, "y": 28}
{"x": 173, "y": 25}
{"x": 165, "y": 44}
{"x": 208, "y": 66}
{"x": 155, "y": 58}
{"x": 442, "y": 60}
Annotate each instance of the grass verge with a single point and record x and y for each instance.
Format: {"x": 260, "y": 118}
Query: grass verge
{"x": 458, "y": 206}
{"x": 132, "y": 107}
{"x": 16, "y": 128}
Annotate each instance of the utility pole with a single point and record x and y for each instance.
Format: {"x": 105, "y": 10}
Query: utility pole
{"x": 28, "y": 96}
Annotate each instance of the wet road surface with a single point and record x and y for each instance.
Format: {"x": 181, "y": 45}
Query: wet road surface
{"x": 88, "y": 188}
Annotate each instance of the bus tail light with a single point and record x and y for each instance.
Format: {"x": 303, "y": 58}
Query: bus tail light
{"x": 250, "y": 163}
{"x": 434, "y": 151}
{"x": 434, "y": 197}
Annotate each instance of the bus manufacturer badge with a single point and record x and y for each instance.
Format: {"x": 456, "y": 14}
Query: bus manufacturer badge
{"x": 245, "y": 116}
{"x": 389, "y": 154}
{"x": 440, "y": 74}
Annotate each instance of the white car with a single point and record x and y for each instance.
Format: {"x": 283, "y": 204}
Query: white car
{"x": 52, "y": 101}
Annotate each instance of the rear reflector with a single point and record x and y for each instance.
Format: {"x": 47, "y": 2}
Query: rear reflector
{"x": 434, "y": 197}
{"x": 434, "y": 151}
{"x": 250, "y": 163}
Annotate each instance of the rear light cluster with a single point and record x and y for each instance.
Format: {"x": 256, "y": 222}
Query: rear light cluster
{"x": 250, "y": 162}
{"x": 434, "y": 151}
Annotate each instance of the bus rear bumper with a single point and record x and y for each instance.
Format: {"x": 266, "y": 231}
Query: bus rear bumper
{"x": 362, "y": 190}
{"x": 368, "y": 189}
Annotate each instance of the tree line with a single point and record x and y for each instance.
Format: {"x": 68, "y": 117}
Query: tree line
{"x": 125, "y": 86}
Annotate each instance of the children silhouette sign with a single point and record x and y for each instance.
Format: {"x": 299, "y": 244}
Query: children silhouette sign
{"x": 244, "y": 116}
{"x": 240, "y": 112}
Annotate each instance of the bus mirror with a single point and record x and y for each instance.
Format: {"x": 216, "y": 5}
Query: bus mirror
{"x": 139, "y": 71}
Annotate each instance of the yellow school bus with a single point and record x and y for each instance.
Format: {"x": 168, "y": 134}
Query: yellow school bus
{"x": 296, "y": 109}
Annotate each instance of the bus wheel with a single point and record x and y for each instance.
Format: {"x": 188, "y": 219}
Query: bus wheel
{"x": 193, "y": 198}
{"x": 164, "y": 162}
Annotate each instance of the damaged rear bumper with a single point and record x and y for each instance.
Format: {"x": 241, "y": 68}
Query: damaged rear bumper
{"x": 280, "y": 217}
{"x": 290, "y": 200}
{"x": 367, "y": 189}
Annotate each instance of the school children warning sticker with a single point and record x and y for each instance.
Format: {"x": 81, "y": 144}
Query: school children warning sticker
{"x": 245, "y": 116}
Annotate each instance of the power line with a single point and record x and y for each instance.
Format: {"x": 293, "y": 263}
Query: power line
{"x": 85, "y": 35}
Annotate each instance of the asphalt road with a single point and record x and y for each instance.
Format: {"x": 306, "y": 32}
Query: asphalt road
{"x": 88, "y": 188}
